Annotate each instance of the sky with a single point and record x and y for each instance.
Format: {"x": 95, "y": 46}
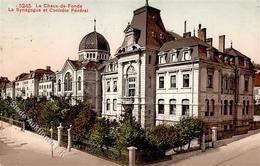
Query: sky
{"x": 35, "y": 40}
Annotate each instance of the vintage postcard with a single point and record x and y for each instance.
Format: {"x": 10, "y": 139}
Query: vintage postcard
{"x": 129, "y": 82}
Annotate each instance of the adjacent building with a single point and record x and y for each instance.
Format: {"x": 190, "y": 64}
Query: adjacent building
{"x": 80, "y": 79}
{"x": 160, "y": 77}
{"x": 27, "y": 84}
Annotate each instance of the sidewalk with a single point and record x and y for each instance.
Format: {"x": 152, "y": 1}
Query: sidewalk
{"x": 25, "y": 148}
{"x": 244, "y": 152}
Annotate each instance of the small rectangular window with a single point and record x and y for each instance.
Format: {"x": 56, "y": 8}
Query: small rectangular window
{"x": 186, "y": 80}
{"x": 114, "y": 104}
{"x": 161, "y": 82}
{"x": 115, "y": 86}
{"x": 108, "y": 104}
{"x": 108, "y": 86}
{"x": 172, "y": 107}
{"x": 161, "y": 107}
{"x": 210, "y": 80}
{"x": 246, "y": 84}
{"x": 173, "y": 81}
{"x": 150, "y": 59}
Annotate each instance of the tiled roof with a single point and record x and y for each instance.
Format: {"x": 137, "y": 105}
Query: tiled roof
{"x": 183, "y": 42}
{"x": 234, "y": 52}
{"x": 174, "y": 35}
{"x": 38, "y": 73}
{"x": 80, "y": 64}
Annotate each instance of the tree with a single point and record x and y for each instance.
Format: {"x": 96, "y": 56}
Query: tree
{"x": 188, "y": 128}
{"x": 129, "y": 133}
{"x": 162, "y": 136}
{"x": 5, "y": 108}
{"x": 101, "y": 133}
{"x": 83, "y": 122}
{"x": 50, "y": 113}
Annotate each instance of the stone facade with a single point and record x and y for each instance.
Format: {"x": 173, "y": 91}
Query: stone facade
{"x": 161, "y": 77}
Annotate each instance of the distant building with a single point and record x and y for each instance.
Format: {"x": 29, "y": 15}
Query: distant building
{"x": 27, "y": 84}
{"x": 10, "y": 90}
{"x": 257, "y": 88}
{"x": 3, "y": 82}
{"x": 46, "y": 85}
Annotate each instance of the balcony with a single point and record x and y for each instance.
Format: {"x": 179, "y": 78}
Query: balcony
{"x": 127, "y": 100}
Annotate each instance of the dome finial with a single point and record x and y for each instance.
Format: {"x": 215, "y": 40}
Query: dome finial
{"x": 95, "y": 24}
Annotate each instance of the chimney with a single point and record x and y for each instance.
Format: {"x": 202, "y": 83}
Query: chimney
{"x": 187, "y": 34}
{"x": 185, "y": 23}
{"x": 202, "y": 33}
{"x": 209, "y": 41}
{"x": 48, "y": 68}
{"x": 221, "y": 43}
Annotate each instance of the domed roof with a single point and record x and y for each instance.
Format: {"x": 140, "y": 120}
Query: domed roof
{"x": 94, "y": 40}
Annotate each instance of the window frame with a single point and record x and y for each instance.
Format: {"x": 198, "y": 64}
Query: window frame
{"x": 172, "y": 82}
{"x": 161, "y": 82}
{"x": 172, "y": 107}
{"x": 185, "y": 107}
{"x": 161, "y": 106}
{"x": 183, "y": 81}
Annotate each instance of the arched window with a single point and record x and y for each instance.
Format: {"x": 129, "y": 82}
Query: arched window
{"x": 221, "y": 107}
{"x": 207, "y": 107}
{"x": 59, "y": 85}
{"x": 68, "y": 82}
{"x": 230, "y": 107}
{"x": 244, "y": 107}
{"x": 212, "y": 107}
{"x": 185, "y": 107}
{"x": 247, "y": 107}
{"x": 160, "y": 106}
{"x": 79, "y": 83}
{"x": 172, "y": 107}
{"x": 108, "y": 104}
{"x": 225, "y": 107}
{"x": 114, "y": 104}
